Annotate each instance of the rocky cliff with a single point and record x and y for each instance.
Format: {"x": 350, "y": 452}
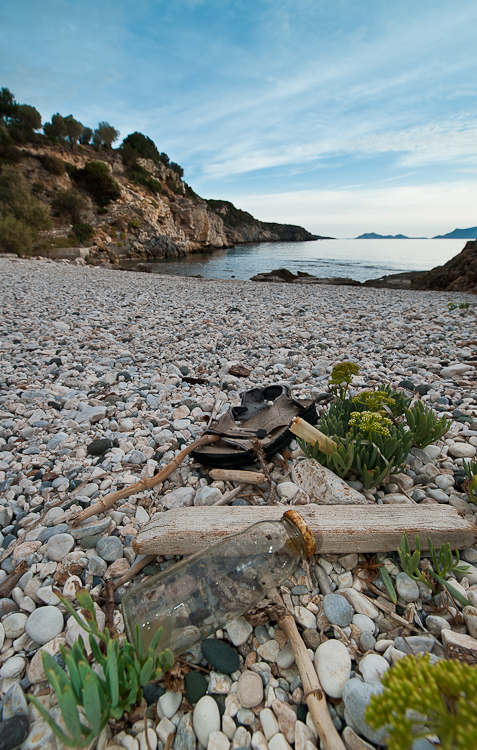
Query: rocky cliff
{"x": 459, "y": 274}
{"x": 166, "y": 220}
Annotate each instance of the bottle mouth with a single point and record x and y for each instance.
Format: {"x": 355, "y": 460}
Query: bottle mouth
{"x": 308, "y": 539}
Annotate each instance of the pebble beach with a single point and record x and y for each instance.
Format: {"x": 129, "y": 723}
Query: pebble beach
{"x": 105, "y": 376}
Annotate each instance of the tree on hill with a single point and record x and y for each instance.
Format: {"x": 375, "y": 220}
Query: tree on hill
{"x": 105, "y": 135}
{"x": 86, "y": 136}
{"x": 56, "y": 128}
{"x": 139, "y": 145}
{"x": 8, "y": 105}
{"x": 74, "y": 130}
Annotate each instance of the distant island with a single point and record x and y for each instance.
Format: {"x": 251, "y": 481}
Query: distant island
{"x": 374, "y": 236}
{"x": 459, "y": 234}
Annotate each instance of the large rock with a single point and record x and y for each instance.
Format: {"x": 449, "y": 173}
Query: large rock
{"x": 323, "y": 486}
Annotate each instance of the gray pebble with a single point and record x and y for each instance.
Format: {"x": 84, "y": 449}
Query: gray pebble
{"x": 110, "y": 548}
{"x": 338, "y": 610}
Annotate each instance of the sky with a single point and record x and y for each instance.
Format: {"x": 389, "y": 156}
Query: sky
{"x": 342, "y": 116}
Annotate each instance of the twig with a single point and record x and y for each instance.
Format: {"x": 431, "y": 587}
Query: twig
{"x": 109, "y": 604}
{"x": 105, "y": 503}
{"x": 7, "y": 585}
{"x": 229, "y": 496}
{"x": 260, "y": 453}
{"x": 134, "y": 570}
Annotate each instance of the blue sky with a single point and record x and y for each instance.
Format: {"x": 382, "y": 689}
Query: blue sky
{"x": 343, "y": 116}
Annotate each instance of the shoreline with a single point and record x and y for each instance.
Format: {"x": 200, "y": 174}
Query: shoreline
{"x": 140, "y": 362}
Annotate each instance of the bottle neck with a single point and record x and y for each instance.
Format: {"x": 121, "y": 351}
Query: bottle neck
{"x": 301, "y": 531}
{"x": 296, "y": 537}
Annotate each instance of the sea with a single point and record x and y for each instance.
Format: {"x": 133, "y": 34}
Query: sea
{"x": 355, "y": 259}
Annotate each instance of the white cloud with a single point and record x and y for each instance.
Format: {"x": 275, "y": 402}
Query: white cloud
{"x": 421, "y": 210}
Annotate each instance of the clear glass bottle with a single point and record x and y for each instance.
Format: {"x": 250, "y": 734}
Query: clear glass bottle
{"x": 193, "y": 598}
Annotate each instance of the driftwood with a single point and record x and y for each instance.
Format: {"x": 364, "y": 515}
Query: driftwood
{"x": 314, "y": 694}
{"x": 337, "y": 529}
{"x": 9, "y": 583}
{"x": 306, "y": 431}
{"x": 237, "y": 475}
{"x": 107, "y": 502}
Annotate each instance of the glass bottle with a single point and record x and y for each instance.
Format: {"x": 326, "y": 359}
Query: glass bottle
{"x": 196, "y": 596}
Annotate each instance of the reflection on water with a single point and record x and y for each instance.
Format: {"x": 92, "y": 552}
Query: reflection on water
{"x": 358, "y": 259}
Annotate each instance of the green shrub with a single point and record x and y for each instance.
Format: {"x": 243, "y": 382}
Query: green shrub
{"x": 425, "y": 425}
{"x": 69, "y": 203}
{"x": 16, "y": 236}
{"x": 133, "y": 224}
{"x": 124, "y": 672}
{"x": 83, "y": 232}
{"x": 140, "y": 176}
{"x": 421, "y": 700}
{"x": 16, "y": 200}
{"x": 53, "y": 164}
{"x": 99, "y": 182}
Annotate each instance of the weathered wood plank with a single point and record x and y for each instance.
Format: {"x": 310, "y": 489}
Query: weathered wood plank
{"x": 337, "y": 529}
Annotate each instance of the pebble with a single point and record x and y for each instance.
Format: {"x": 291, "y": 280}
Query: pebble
{"x": 356, "y": 697}
{"x": 238, "y": 631}
{"x": 109, "y": 548}
{"x": 250, "y": 689}
{"x": 14, "y": 625}
{"x": 220, "y": 655}
{"x": 58, "y": 546}
{"x": 44, "y": 624}
{"x": 407, "y": 588}
{"x": 206, "y": 719}
{"x": 150, "y": 412}
{"x": 373, "y": 667}
{"x": 168, "y": 704}
{"x": 338, "y": 610}
{"x": 333, "y": 666}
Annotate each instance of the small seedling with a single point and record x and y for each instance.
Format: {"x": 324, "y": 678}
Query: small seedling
{"x": 103, "y": 686}
{"x": 470, "y": 486}
{"x": 442, "y": 563}
{"x": 424, "y": 700}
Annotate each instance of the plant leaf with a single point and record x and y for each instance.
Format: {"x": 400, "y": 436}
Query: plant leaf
{"x": 91, "y": 703}
{"x": 386, "y": 579}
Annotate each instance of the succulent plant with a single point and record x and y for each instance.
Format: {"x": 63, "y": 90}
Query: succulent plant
{"x": 424, "y": 700}
{"x": 101, "y": 688}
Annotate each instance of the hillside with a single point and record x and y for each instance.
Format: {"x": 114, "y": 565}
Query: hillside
{"x": 459, "y": 234}
{"x": 141, "y": 209}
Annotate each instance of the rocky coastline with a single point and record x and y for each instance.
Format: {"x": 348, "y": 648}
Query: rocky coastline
{"x": 104, "y": 377}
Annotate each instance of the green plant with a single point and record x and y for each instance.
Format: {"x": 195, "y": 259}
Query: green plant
{"x": 442, "y": 561}
{"x": 451, "y": 306}
{"x": 83, "y": 232}
{"x": 377, "y": 401}
{"x": 370, "y": 423}
{"x": 421, "y": 699}
{"x": 386, "y": 579}
{"x": 341, "y": 377}
{"x": 16, "y": 236}
{"x": 53, "y": 164}
{"x": 464, "y": 305}
{"x": 425, "y": 425}
{"x": 99, "y": 182}
{"x": 69, "y": 203}
{"x": 470, "y": 486}
{"x": 104, "y": 690}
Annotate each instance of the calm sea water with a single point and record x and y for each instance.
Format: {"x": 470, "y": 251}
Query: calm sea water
{"x": 357, "y": 259}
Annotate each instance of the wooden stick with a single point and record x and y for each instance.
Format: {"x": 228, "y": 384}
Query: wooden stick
{"x": 306, "y": 431}
{"x": 314, "y": 694}
{"x": 236, "y": 475}
{"x": 105, "y": 503}
{"x": 134, "y": 570}
{"x": 9, "y": 583}
{"x": 338, "y": 529}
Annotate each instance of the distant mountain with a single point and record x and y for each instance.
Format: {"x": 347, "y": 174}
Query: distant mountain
{"x": 374, "y": 236}
{"x": 459, "y": 234}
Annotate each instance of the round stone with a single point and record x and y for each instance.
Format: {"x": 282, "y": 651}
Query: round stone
{"x": 406, "y": 588}
{"x": 333, "y": 666}
{"x": 220, "y": 655}
{"x": 338, "y": 610}
{"x": 99, "y": 447}
{"x": 13, "y": 667}
{"x": 44, "y": 624}
{"x": 110, "y": 548}
{"x": 206, "y": 719}
{"x": 250, "y": 689}
{"x": 462, "y": 450}
{"x": 373, "y": 667}
{"x": 58, "y": 546}
{"x": 168, "y": 704}
{"x": 14, "y": 625}
{"x": 356, "y": 697}
{"x": 195, "y": 686}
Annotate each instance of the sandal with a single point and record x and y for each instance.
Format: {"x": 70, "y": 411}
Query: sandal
{"x": 267, "y": 422}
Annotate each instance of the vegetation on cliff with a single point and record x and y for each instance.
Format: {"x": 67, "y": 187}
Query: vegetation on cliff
{"x": 72, "y": 186}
